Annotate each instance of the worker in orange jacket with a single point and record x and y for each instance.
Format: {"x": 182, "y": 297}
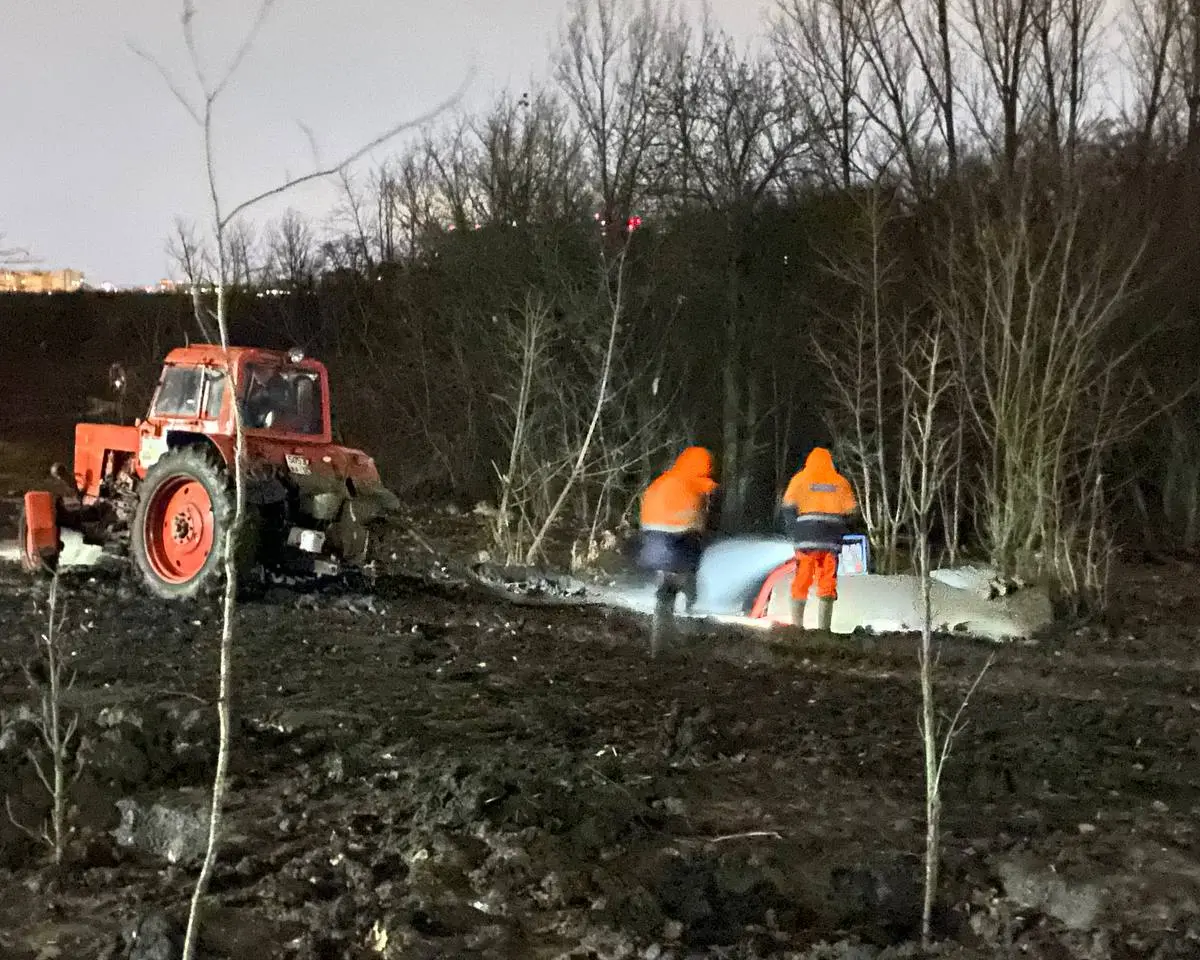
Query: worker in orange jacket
{"x": 674, "y": 516}
{"x": 818, "y": 501}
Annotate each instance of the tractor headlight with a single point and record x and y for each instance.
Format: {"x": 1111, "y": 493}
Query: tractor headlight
{"x": 295, "y": 355}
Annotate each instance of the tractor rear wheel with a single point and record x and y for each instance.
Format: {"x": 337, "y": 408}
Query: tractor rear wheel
{"x": 185, "y": 512}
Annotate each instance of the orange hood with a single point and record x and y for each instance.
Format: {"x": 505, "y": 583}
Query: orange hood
{"x": 819, "y": 488}
{"x": 820, "y": 463}
{"x": 695, "y": 466}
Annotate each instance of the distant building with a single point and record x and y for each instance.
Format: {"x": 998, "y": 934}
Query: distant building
{"x": 40, "y": 281}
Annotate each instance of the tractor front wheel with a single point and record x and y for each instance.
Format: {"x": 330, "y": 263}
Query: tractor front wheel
{"x": 185, "y": 512}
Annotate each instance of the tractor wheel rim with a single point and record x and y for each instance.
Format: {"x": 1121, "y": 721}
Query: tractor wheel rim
{"x": 179, "y": 530}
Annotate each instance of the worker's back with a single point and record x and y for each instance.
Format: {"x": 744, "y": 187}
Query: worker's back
{"x": 676, "y": 501}
{"x": 822, "y": 500}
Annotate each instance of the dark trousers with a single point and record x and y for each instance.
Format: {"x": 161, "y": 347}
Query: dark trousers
{"x": 674, "y": 559}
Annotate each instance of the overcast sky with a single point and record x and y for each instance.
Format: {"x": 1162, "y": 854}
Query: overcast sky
{"x": 97, "y": 158}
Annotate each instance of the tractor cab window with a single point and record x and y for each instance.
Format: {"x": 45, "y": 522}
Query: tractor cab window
{"x": 179, "y": 392}
{"x": 214, "y": 393}
{"x": 286, "y": 401}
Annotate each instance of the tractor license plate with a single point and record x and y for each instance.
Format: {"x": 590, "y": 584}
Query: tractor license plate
{"x": 298, "y": 464}
{"x": 310, "y": 541}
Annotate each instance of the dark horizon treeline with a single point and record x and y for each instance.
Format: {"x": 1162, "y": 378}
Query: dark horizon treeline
{"x": 863, "y": 160}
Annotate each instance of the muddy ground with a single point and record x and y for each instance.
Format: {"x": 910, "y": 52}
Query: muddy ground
{"x": 425, "y": 769}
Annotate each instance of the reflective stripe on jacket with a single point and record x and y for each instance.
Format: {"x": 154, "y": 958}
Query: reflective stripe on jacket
{"x": 819, "y": 531}
{"x": 822, "y": 499}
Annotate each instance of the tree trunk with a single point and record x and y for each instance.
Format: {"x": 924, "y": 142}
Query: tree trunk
{"x": 732, "y": 467}
{"x": 943, "y": 26}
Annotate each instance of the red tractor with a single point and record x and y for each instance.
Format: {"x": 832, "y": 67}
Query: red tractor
{"x": 162, "y": 490}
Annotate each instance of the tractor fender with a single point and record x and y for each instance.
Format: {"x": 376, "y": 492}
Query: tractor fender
{"x": 40, "y": 544}
{"x": 263, "y": 486}
{"x": 219, "y": 448}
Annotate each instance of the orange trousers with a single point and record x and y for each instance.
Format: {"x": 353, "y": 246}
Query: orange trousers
{"x": 819, "y": 565}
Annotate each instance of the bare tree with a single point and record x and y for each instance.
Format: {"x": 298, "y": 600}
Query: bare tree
{"x": 945, "y": 71}
{"x": 925, "y": 381}
{"x": 1186, "y": 69}
{"x": 1033, "y": 303}
{"x": 453, "y": 157}
{"x": 523, "y": 476}
{"x": 187, "y": 251}
{"x": 578, "y": 412}
{"x": 892, "y": 97}
{"x": 863, "y": 362}
{"x": 1002, "y": 36}
{"x": 615, "y": 288}
{"x": 928, "y": 378}
{"x": 927, "y": 29}
{"x": 821, "y": 41}
{"x": 58, "y": 733}
{"x": 1067, "y": 32}
{"x": 743, "y": 137}
{"x": 241, "y": 255}
{"x": 529, "y": 162}
{"x": 1151, "y": 32}
{"x": 353, "y": 219}
{"x": 201, "y": 107}
{"x": 387, "y": 190}
{"x": 291, "y": 255}
{"x": 409, "y": 204}
{"x": 610, "y": 67}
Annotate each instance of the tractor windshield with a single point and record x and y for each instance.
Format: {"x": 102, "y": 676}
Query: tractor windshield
{"x": 282, "y": 400}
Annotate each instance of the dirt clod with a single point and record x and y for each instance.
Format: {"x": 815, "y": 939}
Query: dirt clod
{"x": 174, "y": 828}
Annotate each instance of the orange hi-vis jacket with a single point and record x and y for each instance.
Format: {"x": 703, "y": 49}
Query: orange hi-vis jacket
{"x": 822, "y": 499}
{"x": 676, "y": 502}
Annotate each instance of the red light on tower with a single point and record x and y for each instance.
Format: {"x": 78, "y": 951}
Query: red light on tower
{"x": 633, "y": 222}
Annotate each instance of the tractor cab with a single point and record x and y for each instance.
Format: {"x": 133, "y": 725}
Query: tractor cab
{"x": 282, "y": 400}
{"x": 279, "y": 395}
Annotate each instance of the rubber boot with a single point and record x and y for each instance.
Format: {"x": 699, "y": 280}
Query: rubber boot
{"x": 689, "y": 590}
{"x": 798, "y": 614}
{"x": 662, "y": 627}
{"x": 824, "y": 614}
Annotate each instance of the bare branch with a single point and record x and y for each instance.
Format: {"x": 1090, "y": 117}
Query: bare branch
{"x": 348, "y": 160}
{"x": 264, "y": 9}
{"x": 186, "y": 18}
{"x": 169, "y": 81}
